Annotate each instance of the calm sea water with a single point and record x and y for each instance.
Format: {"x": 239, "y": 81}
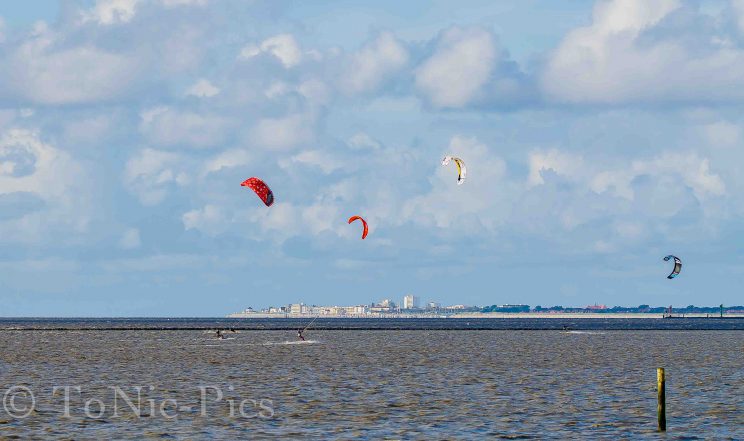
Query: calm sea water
{"x": 595, "y": 383}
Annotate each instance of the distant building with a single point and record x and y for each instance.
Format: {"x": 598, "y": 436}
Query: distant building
{"x": 508, "y": 308}
{"x": 386, "y": 303}
{"x": 596, "y": 307}
{"x": 410, "y": 302}
{"x": 298, "y": 308}
{"x": 359, "y": 309}
{"x": 433, "y": 305}
{"x": 337, "y": 310}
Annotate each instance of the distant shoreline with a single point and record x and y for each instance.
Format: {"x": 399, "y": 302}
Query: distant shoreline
{"x": 491, "y": 315}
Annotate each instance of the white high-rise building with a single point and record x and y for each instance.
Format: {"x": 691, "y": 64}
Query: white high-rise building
{"x": 410, "y": 302}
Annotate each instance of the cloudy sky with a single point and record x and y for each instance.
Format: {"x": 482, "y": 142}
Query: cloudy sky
{"x": 599, "y": 137}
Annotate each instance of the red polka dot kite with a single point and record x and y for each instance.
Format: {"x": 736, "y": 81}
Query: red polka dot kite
{"x": 364, "y": 224}
{"x": 262, "y": 190}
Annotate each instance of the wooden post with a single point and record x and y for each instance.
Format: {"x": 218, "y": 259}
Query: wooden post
{"x": 661, "y": 406}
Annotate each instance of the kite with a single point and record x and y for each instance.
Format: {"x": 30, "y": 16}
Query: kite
{"x": 364, "y": 224}
{"x": 262, "y": 190}
{"x": 677, "y": 266}
{"x": 461, "y": 171}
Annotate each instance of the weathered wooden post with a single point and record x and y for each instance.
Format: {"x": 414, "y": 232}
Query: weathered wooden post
{"x": 661, "y": 405}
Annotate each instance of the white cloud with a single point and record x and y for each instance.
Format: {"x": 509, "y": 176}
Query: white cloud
{"x": 476, "y": 205}
{"x": 7, "y": 117}
{"x": 43, "y": 71}
{"x": 284, "y": 133}
{"x": 203, "y": 89}
{"x": 694, "y": 171}
{"x": 625, "y": 57}
{"x": 321, "y": 217}
{"x": 315, "y": 91}
{"x": 316, "y": 158}
{"x": 618, "y": 16}
{"x": 47, "y": 189}
{"x": 280, "y": 219}
{"x": 560, "y": 162}
{"x": 27, "y": 164}
{"x": 277, "y": 89}
{"x": 208, "y": 219}
{"x": 130, "y": 239}
{"x": 108, "y": 12}
{"x": 157, "y": 263}
{"x": 459, "y": 68}
{"x": 362, "y": 141}
{"x": 283, "y": 46}
{"x": 148, "y": 115}
{"x": 686, "y": 167}
{"x": 260, "y": 105}
{"x": 629, "y": 229}
{"x": 617, "y": 182}
{"x": 227, "y": 159}
{"x": 722, "y": 134}
{"x": 284, "y": 220}
{"x": 90, "y": 130}
{"x": 176, "y": 3}
{"x": 172, "y": 127}
{"x": 737, "y": 7}
{"x": 374, "y": 63}
{"x": 623, "y": 200}
{"x": 151, "y": 174}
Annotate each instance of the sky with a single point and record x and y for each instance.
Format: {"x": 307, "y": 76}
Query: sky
{"x": 599, "y": 137}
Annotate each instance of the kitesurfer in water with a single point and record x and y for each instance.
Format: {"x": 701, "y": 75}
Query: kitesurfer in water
{"x": 299, "y": 334}
{"x": 220, "y": 335}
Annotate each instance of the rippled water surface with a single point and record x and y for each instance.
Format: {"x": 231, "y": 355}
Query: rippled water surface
{"x": 414, "y": 384}
{"x": 612, "y": 322}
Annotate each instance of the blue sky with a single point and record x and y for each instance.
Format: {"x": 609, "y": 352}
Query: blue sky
{"x": 599, "y": 137}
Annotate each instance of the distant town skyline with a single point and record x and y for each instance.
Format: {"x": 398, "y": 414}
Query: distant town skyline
{"x": 126, "y": 128}
{"x": 387, "y": 309}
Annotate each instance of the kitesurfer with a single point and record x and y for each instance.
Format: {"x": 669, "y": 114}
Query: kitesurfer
{"x": 220, "y": 336}
{"x": 299, "y": 334}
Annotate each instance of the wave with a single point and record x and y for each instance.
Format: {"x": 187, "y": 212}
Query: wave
{"x": 296, "y": 342}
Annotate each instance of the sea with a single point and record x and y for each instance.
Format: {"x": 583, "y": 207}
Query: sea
{"x": 425, "y": 379}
